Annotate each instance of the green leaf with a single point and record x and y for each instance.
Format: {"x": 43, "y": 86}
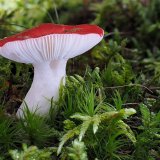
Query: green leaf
{"x": 146, "y": 115}
{"x": 127, "y": 130}
{"x": 96, "y": 122}
{"x": 70, "y": 134}
{"x": 77, "y": 151}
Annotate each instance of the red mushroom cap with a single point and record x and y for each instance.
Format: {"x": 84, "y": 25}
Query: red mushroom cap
{"x": 50, "y": 28}
{"x": 49, "y": 42}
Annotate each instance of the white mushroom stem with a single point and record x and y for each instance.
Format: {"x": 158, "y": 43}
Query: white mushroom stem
{"x": 46, "y": 82}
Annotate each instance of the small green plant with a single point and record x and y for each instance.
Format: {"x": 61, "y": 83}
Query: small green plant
{"x": 117, "y": 70}
{"x": 90, "y": 116}
{"x": 9, "y": 134}
{"x": 77, "y": 151}
{"x": 35, "y": 127}
{"x": 149, "y": 136}
{"x": 31, "y": 153}
{"x": 95, "y": 121}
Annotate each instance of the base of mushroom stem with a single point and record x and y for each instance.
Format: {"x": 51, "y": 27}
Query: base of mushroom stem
{"x": 38, "y": 110}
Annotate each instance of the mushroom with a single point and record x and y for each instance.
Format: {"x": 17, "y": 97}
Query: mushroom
{"x": 48, "y": 47}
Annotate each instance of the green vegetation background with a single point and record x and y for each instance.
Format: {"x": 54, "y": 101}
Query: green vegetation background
{"x": 109, "y": 108}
